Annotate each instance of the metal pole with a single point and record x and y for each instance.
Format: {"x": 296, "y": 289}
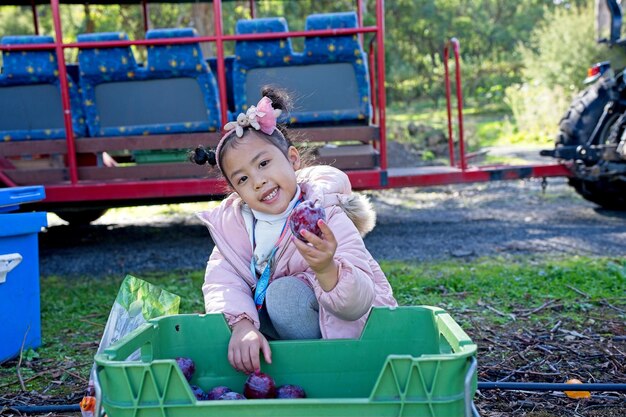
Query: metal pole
{"x": 221, "y": 68}
{"x": 459, "y": 102}
{"x": 380, "y": 47}
{"x": 65, "y": 96}
{"x": 372, "y": 69}
{"x": 448, "y": 104}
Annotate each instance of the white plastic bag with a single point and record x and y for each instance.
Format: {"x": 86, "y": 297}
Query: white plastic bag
{"x": 137, "y": 302}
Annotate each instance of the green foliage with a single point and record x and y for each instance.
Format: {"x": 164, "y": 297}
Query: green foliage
{"x": 555, "y": 62}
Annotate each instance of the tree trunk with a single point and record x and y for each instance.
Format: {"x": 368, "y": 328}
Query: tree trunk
{"x": 90, "y": 25}
{"x": 202, "y": 18}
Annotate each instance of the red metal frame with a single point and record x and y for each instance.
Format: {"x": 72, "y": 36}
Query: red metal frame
{"x": 459, "y": 101}
{"x": 76, "y": 191}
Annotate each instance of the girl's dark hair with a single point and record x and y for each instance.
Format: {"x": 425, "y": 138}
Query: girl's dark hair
{"x": 202, "y": 156}
{"x": 280, "y": 100}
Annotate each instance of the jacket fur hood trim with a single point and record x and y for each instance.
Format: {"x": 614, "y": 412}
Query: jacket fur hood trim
{"x": 359, "y": 209}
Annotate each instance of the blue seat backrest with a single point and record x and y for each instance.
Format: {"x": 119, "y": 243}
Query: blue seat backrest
{"x": 99, "y": 65}
{"x": 328, "y": 82}
{"x": 263, "y": 53}
{"x": 337, "y": 49}
{"x": 259, "y": 54}
{"x": 141, "y": 106}
{"x": 185, "y": 60}
{"x": 322, "y": 49}
{"x": 103, "y": 65}
{"x": 22, "y": 68}
{"x": 174, "y": 60}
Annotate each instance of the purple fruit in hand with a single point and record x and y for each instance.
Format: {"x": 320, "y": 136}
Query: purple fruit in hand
{"x": 199, "y": 393}
{"x": 231, "y": 395}
{"x": 290, "y": 391}
{"x": 305, "y": 216}
{"x": 259, "y": 385}
{"x": 187, "y": 366}
{"x": 217, "y": 392}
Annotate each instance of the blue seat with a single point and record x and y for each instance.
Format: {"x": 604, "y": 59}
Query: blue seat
{"x": 253, "y": 54}
{"x": 336, "y": 50}
{"x": 103, "y": 65}
{"x": 185, "y": 61}
{"x": 329, "y": 82}
{"x": 30, "y": 93}
{"x": 174, "y": 93}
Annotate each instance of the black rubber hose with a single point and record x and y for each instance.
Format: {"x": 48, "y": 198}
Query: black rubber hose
{"x": 546, "y": 386}
{"x": 42, "y": 409}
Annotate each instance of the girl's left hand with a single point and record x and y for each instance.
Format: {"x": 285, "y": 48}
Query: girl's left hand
{"x": 319, "y": 254}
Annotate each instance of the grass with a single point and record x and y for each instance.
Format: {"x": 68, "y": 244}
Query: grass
{"x": 74, "y": 311}
{"x": 484, "y": 125}
{"x": 510, "y": 286}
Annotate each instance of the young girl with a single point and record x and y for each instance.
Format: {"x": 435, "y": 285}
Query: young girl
{"x": 268, "y": 284}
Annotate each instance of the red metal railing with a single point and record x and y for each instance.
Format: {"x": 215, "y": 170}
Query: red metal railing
{"x": 459, "y": 101}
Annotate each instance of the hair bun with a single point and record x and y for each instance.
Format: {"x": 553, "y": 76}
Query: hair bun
{"x": 202, "y": 156}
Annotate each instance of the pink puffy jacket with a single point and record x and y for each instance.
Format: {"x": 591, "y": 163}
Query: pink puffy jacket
{"x": 228, "y": 285}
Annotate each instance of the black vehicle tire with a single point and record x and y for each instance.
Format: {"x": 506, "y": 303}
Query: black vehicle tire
{"x": 80, "y": 217}
{"x": 576, "y": 127}
{"x": 608, "y": 194}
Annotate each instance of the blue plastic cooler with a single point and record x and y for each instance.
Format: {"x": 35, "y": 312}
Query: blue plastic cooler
{"x": 20, "y": 316}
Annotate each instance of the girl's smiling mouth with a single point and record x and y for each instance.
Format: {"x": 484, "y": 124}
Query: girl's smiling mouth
{"x": 270, "y": 196}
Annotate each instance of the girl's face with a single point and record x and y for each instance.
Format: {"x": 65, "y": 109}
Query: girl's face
{"x": 261, "y": 174}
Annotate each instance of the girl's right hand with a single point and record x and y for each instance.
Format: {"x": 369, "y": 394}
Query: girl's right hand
{"x": 243, "y": 349}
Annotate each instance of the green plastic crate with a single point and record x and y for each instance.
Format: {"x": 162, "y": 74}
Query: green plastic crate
{"x": 409, "y": 361}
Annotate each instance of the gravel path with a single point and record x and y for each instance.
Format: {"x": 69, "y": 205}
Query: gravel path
{"x": 419, "y": 224}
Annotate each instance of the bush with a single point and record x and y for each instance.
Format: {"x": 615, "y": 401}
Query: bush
{"x": 536, "y": 109}
{"x": 555, "y": 64}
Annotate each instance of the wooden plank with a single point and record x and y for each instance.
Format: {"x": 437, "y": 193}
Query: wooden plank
{"x": 348, "y": 157}
{"x": 146, "y": 171}
{"x": 173, "y": 141}
{"x": 337, "y": 133}
{"x": 37, "y": 176}
{"x": 33, "y": 147}
{"x": 346, "y": 163}
{"x": 178, "y": 140}
{"x": 136, "y": 172}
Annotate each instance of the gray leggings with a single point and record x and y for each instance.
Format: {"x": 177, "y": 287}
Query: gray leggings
{"x": 290, "y": 311}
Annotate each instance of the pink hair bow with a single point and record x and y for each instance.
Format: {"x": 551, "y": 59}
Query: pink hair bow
{"x": 260, "y": 117}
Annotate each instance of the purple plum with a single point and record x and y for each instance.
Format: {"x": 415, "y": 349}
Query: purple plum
{"x": 231, "y": 395}
{"x": 305, "y": 216}
{"x": 290, "y": 391}
{"x": 217, "y": 392}
{"x": 187, "y": 366}
{"x": 199, "y": 393}
{"x": 259, "y": 385}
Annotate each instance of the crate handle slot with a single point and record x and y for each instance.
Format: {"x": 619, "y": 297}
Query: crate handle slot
{"x": 7, "y": 263}
{"x": 129, "y": 344}
{"x": 454, "y": 334}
